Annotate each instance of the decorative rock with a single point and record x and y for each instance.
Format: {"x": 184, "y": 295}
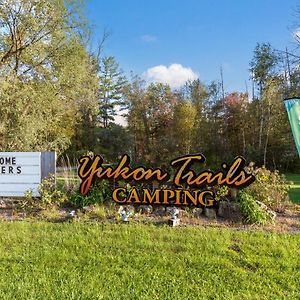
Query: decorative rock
{"x": 131, "y": 209}
{"x": 170, "y": 209}
{"x": 222, "y": 208}
{"x": 185, "y": 212}
{"x": 210, "y": 213}
{"x": 159, "y": 210}
{"x": 145, "y": 209}
{"x": 197, "y": 212}
{"x": 230, "y": 211}
{"x": 174, "y": 212}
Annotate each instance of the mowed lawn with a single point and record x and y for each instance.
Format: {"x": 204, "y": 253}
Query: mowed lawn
{"x": 118, "y": 261}
{"x": 294, "y": 192}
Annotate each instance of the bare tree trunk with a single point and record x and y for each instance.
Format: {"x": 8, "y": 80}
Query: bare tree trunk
{"x": 261, "y": 119}
{"x": 260, "y": 131}
{"x": 267, "y": 132}
{"x": 266, "y": 146}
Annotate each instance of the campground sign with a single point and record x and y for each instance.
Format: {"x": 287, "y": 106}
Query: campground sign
{"x": 23, "y": 171}
{"x": 185, "y": 188}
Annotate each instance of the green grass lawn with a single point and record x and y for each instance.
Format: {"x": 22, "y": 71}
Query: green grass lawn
{"x": 111, "y": 261}
{"x": 294, "y": 192}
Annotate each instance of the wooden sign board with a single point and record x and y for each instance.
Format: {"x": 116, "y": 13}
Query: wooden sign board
{"x": 23, "y": 171}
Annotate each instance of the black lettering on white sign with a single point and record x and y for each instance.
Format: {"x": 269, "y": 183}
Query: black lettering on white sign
{"x": 8, "y": 165}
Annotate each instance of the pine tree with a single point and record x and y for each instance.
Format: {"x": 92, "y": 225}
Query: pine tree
{"x": 112, "y": 82}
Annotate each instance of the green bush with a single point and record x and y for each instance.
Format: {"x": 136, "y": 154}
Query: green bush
{"x": 50, "y": 194}
{"x": 270, "y": 188}
{"x": 98, "y": 194}
{"x": 251, "y": 210}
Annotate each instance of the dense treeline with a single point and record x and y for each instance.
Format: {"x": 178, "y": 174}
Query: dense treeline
{"x": 198, "y": 118}
{"x": 56, "y": 95}
{"x": 48, "y": 82}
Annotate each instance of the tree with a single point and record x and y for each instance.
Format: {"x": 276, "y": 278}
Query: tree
{"x": 262, "y": 67}
{"x": 47, "y": 79}
{"x": 185, "y": 114}
{"x": 263, "y": 64}
{"x": 196, "y": 94}
{"x": 32, "y": 32}
{"x": 150, "y": 117}
{"x": 236, "y": 124}
{"x": 112, "y": 83}
{"x": 113, "y": 142}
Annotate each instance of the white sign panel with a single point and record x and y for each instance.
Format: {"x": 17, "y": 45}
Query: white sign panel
{"x": 19, "y": 173}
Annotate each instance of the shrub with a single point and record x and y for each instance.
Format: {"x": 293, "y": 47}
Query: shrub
{"x": 50, "y": 194}
{"x": 251, "y": 210}
{"x": 221, "y": 192}
{"x": 98, "y": 194}
{"x": 270, "y": 188}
